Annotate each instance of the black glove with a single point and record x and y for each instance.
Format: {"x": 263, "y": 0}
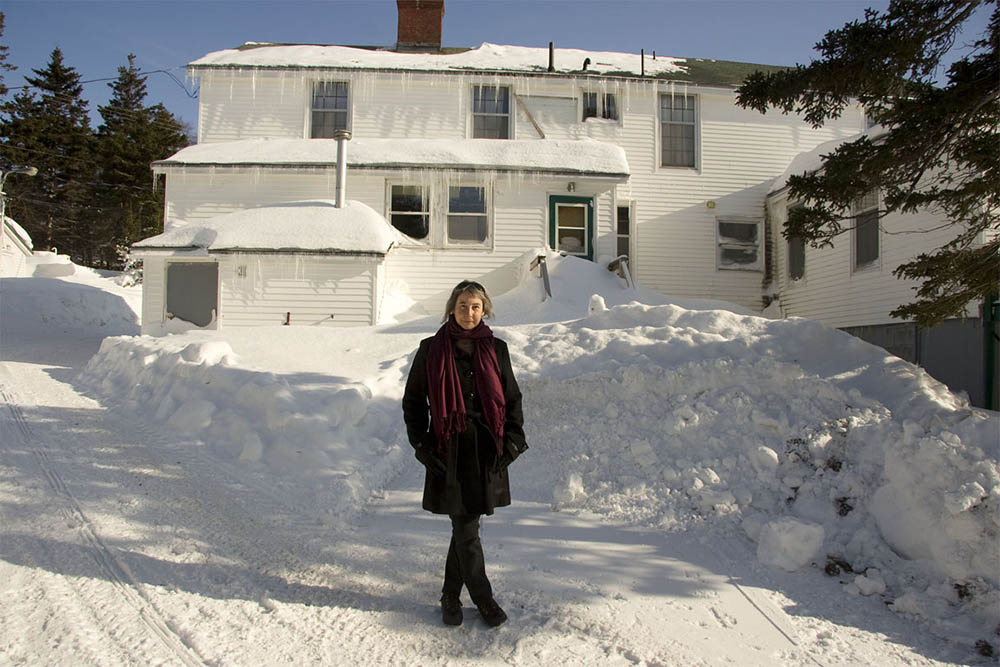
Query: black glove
{"x": 431, "y": 460}
{"x": 510, "y": 452}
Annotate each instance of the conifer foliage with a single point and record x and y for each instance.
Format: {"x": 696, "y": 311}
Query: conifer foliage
{"x": 935, "y": 145}
{"x": 94, "y": 193}
{"x": 50, "y": 130}
{"x": 130, "y": 138}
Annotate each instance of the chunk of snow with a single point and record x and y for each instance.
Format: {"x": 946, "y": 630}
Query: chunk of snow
{"x": 789, "y": 544}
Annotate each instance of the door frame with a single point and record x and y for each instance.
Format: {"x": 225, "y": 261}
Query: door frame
{"x": 588, "y": 202}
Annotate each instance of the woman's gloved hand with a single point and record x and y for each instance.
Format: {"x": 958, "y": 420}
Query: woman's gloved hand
{"x": 430, "y": 460}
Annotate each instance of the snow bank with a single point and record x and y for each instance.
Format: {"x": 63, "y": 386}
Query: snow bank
{"x": 823, "y": 449}
{"x": 332, "y": 436}
{"x": 60, "y": 295}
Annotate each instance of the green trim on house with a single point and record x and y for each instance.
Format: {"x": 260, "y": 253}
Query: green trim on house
{"x": 567, "y": 199}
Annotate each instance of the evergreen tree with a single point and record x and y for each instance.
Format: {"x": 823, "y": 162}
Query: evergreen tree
{"x": 130, "y": 138}
{"x": 51, "y": 131}
{"x": 4, "y": 65}
{"x": 937, "y": 147}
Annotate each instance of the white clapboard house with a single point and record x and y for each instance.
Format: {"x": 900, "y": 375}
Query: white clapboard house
{"x": 851, "y": 286}
{"x": 475, "y": 156}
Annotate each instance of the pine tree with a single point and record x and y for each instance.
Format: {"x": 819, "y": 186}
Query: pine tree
{"x": 4, "y": 65}
{"x": 51, "y": 131}
{"x": 938, "y": 146}
{"x": 130, "y": 138}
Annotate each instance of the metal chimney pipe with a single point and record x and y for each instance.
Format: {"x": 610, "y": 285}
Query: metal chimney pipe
{"x": 552, "y": 57}
{"x": 342, "y": 137}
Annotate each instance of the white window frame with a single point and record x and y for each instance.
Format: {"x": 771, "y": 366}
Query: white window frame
{"x": 723, "y": 243}
{"x": 447, "y": 214}
{"x": 866, "y": 205}
{"x": 436, "y": 205}
{"x": 428, "y": 207}
{"x": 630, "y": 206}
{"x": 695, "y": 124}
{"x": 310, "y": 111}
{"x": 601, "y": 104}
{"x": 473, "y": 113}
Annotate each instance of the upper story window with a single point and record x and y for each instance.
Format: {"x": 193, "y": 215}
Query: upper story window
{"x": 329, "y": 108}
{"x": 678, "y": 121}
{"x": 409, "y": 210}
{"x": 490, "y": 112}
{"x": 866, "y": 230}
{"x": 468, "y": 221}
{"x": 739, "y": 244}
{"x": 600, "y": 105}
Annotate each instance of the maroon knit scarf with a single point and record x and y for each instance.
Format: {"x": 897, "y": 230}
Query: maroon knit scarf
{"x": 445, "y": 390}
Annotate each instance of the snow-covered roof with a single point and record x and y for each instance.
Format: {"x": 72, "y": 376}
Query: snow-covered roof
{"x": 811, "y": 161}
{"x": 575, "y": 157}
{"x": 311, "y": 226}
{"x": 16, "y": 232}
{"x": 487, "y": 57}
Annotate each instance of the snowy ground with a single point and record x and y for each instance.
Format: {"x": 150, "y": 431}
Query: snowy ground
{"x": 703, "y": 487}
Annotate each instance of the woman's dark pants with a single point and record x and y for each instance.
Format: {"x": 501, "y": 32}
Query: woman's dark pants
{"x": 465, "y": 564}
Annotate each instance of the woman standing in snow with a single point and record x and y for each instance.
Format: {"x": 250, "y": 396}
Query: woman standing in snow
{"x": 462, "y": 409}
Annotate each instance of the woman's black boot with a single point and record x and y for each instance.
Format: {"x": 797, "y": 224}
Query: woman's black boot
{"x": 451, "y": 609}
{"x": 492, "y": 613}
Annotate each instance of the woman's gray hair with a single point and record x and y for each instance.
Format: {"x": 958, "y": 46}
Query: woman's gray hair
{"x": 473, "y": 288}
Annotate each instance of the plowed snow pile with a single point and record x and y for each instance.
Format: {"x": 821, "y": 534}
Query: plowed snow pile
{"x": 826, "y": 451}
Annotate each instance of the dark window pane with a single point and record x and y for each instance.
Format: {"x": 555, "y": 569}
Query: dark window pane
{"x": 414, "y": 226}
{"x": 489, "y": 127}
{"x": 490, "y": 99}
{"x": 610, "y": 107}
{"x": 589, "y": 105}
{"x": 796, "y": 257}
{"x": 866, "y": 238}
{"x": 623, "y": 221}
{"x": 738, "y": 256}
{"x": 407, "y": 198}
{"x": 463, "y": 199}
{"x": 622, "y": 246}
{"x": 739, "y": 232}
{"x": 467, "y": 228}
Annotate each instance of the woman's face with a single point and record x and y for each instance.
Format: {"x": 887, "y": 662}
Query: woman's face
{"x": 468, "y": 310}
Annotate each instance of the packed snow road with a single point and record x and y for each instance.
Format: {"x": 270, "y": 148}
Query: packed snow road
{"x": 123, "y": 544}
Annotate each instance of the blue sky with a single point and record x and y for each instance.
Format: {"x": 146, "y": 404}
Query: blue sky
{"x": 96, "y": 37}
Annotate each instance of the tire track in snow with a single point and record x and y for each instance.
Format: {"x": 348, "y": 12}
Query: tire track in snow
{"x": 112, "y": 567}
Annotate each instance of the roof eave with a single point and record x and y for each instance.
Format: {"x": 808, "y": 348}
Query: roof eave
{"x": 163, "y": 166}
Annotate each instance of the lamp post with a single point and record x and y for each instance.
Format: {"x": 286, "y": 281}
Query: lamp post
{"x": 27, "y": 171}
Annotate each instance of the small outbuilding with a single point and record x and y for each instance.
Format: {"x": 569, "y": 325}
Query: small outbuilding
{"x": 300, "y": 262}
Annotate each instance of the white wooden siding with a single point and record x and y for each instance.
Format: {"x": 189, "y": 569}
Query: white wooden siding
{"x": 673, "y": 230}
{"x": 244, "y": 104}
{"x": 305, "y": 290}
{"x": 520, "y": 223}
{"x": 831, "y": 292}
{"x": 153, "y": 293}
{"x": 199, "y": 193}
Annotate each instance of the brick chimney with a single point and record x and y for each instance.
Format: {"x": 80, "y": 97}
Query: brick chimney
{"x": 418, "y": 25}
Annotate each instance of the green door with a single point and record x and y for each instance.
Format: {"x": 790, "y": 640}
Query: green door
{"x": 571, "y": 225}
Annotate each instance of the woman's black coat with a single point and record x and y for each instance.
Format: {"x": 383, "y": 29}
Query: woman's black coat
{"x": 475, "y": 481}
